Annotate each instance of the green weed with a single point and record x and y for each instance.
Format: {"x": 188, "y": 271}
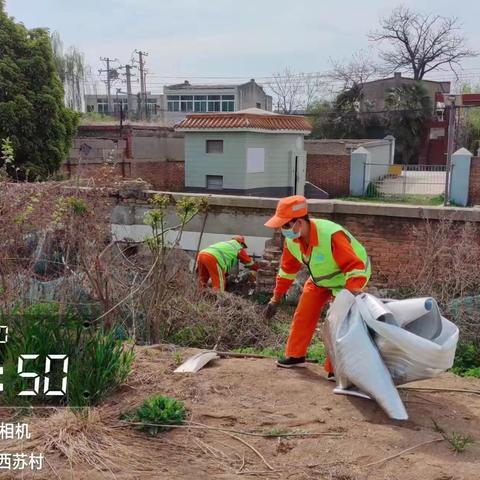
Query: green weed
{"x": 158, "y": 410}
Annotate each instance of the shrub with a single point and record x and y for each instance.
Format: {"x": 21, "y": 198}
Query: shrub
{"x": 158, "y": 410}
{"x": 467, "y": 360}
{"x": 97, "y": 362}
{"x": 103, "y": 365}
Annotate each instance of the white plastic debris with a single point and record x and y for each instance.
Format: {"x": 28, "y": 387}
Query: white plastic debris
{"x": 196, "y": 363}
{"x": 406, "y": 340}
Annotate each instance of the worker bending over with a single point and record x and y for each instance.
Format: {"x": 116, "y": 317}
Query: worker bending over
{"x": 216, "y": 261}
{"x": 335, "y": 260}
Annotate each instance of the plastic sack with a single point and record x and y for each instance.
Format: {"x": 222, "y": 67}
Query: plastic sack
{"x": 376, "y": 344}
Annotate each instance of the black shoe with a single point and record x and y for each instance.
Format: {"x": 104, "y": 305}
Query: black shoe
{"x": 331, "y": 377}
{"x": 290, "y": 362}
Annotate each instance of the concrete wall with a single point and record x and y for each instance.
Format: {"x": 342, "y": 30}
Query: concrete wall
{"x": 154, "y": 154}
{"x": 250, "y": 94}
{"x": 277, "y": 178}
{"x": 374, "y": 92}
{"x": 383, "y": 229}
{"x": 231, "y": 164}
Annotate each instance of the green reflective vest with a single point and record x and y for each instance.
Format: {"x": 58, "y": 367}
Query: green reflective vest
{"x": 226, "y": 253}
{"x": 321, "y": 264}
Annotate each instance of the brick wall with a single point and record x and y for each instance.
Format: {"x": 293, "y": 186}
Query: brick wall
{"x": 162, "y": 175}
{"x": 474, "y": 190}
{"x": 395, "y": 236}
{"x": 329, "y": 172}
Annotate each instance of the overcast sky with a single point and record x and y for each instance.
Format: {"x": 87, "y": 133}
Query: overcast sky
{"x": 227, "y": 38}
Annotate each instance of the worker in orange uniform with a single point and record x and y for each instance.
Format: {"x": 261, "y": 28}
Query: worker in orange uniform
{"x": 216, "y": 261}
{"x": 335, "y": 259}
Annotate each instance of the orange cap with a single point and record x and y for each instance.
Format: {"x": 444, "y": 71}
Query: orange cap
{"x": 240, "y": 239}
{"x": 288, "y": 208}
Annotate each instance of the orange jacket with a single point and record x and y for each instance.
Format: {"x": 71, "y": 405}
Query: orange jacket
{"x": 343, "y": 255}
{"x": 247, "y": 260}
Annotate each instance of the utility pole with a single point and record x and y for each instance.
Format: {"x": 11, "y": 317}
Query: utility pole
{"x": 110, "y": 76}
{"x": 450, "y": 147}
{"x": 143, "y": 86}
{"x": 128, "y": 76}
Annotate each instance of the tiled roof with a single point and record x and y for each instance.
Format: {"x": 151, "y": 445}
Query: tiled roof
{"x": 244, "y": 121}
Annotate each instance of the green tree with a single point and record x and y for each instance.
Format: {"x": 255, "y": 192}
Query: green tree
{"x": 341, "y": 118}
{"x": 32, "y": 111}
{"x": 71, "y": 69}
{"x": 409, "y": 108}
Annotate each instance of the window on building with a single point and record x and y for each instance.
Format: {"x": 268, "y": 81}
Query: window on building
{"x": 259, "y": 105}
{"x": 151, "y": 105}
{"x": 186, "y": 103}
{"x": 173, "y": 103}
{"x": 200, "y": 103}
{"x": 214, "y": 182}
{"x": 214, "y": 146}
{"x": 102, "y": 105}
{"x": 120, "y": 101}
{"x": 214, "y": 103}
{"x": 228, "y": 103}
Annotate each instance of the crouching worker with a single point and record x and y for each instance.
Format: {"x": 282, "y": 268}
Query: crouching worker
{"x": 335, "y": 260}
{"x": 216, "y": 261}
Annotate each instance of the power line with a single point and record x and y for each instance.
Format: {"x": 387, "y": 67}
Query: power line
{"x": 110, "y": 76}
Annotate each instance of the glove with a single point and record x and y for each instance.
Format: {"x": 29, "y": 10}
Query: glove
{"x": 270, "y": 310}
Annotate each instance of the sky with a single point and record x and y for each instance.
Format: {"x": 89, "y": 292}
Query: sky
{"x": 234, "y": 40}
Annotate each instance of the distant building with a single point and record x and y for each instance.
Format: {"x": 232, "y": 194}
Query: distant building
{"x": 178, "y": 100}
{"x": 249, "y": 152}
{"x": 375, "y": 91}
{"x": 187, "y": 98}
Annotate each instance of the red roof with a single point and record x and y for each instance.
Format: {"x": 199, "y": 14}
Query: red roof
{"x": 244, "y": 120}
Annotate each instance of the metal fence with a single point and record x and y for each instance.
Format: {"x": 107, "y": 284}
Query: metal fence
{"x": 400, "y": 181}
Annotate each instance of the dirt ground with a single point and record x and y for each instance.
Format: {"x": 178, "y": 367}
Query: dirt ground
{"x": 252, "y": 395}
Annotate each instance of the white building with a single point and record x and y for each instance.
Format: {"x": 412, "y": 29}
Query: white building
{"x": 178, "y": 100}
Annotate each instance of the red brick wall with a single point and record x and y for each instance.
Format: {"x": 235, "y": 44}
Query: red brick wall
{"x": 389, "y": 241}
{"x": 329, "y": 172}
{"x": 162, "y": 175}
{"x": 474, "y": 190}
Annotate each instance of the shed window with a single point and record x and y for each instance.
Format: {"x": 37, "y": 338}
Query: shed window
{"x": 214, "y": 182}
{"x": 214, "y": 146}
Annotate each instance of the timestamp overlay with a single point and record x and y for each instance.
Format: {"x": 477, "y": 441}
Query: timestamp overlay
{"x": 33, "y": 380}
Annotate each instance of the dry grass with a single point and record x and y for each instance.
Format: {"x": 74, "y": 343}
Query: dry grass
{"x": 444, "y": 264}
{"x": 90, "y": 440}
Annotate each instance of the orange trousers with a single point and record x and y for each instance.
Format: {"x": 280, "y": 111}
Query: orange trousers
{"x": 305, "y": 320}
{"x": 208, "y": 268}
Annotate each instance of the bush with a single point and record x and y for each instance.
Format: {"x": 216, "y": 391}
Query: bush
{"x": 103, "y": 365}
{"x": 97, "y": 362}
{"x": 467, "y": 360}
{"x": 159, "y": 410}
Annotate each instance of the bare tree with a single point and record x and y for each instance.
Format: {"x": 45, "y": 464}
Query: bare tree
{"x": 421, "y": 43}
{"x": 295, "y": 91}
{"x": 355, "y": 71}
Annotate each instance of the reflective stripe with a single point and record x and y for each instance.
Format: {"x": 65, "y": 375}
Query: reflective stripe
{"x": 359, "y": 273}
{"x": 327, "y": 277}
{"x": 284, "y": 274}
{"x": 221, "y": 278}
{"x": 299, "y": 207}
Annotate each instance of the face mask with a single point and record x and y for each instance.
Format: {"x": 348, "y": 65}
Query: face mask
{"x": 289, "y": 233}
